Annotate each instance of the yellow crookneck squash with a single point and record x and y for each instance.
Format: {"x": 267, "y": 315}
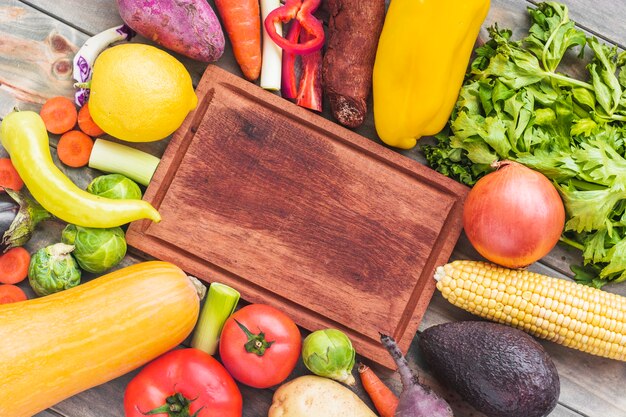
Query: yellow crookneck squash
{"x": 59, "y": 345}
{"x": 421, "y": 60}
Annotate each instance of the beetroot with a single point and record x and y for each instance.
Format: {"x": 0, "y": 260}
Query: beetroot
{"x": 416, "y": 400}
{"x": 189, "y": 27}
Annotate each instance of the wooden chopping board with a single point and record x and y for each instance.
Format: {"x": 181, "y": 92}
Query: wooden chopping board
{"x": 298, "y": 212}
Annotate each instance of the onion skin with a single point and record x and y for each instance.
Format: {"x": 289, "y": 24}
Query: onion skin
{"x": 513, "y": 216}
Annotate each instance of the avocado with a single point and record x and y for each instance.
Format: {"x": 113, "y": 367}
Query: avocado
{"x": 499, "y": 370}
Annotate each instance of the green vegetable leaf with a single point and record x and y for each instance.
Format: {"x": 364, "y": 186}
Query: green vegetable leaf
{"x": 616, "y": 258}
{"x": 595, "y": 246}
{"x": 601, "y": 164}
{"x": 602, "y": 69}
{"x": 589, "y": 209}
{"x": 552, "y": 34}
{"x": 587, "y": 275}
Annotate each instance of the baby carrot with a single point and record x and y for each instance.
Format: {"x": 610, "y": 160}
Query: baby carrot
{"x": 242, "y": 20}
{"x": 11, "y": 294}
{"x": 383, "y": 398}
{"x": 59, "y": 114}
{"x": 74, "y": 149}
{"x": 9, "y": 178}
{"x": 14, "y": 265}
{"x": 86, "y": 123}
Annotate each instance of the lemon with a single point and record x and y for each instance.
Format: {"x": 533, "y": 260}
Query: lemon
{"x": 140, "y": 93}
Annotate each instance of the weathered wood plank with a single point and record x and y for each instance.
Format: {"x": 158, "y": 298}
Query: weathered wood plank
{"x": 591, "y": 385}
{"x": 36, "y": 55}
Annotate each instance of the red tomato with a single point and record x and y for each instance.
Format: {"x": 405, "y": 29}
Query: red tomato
{"x": 260, "y": 345}
{"x": 186, "y": 378}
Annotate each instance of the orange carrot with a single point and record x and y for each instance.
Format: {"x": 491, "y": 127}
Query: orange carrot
{"x": 86, "y": 123}
{"x": 242, "y": 21}
{"x": 59, "y": 114}
{"x": 383, "y": 398}
{"x": 14, "y": 265}
{"x": 11, "y": 294}
{"x": 9, "y": 178}
{"x": 74, "y": 148}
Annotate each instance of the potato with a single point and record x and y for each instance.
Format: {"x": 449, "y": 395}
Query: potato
{"x": 314, "y": 396}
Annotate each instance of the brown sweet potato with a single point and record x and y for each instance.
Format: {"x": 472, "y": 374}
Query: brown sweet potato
{"x": 354, "y": 27}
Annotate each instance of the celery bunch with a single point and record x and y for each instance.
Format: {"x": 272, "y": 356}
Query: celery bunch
{"x": 516, "y": 105}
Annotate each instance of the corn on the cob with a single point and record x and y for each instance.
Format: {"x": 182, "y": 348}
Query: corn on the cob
{"x": 559, "y": 310}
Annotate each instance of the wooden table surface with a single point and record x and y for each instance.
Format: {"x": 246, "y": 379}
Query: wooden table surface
{"x": 38, "y": 39}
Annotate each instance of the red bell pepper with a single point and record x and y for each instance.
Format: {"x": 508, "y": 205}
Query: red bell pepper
{"x": 302, "y": 12}
{"x": 183, "y": 383}
{"x": 310, "y": 90}
{"x": 289, "y": 83}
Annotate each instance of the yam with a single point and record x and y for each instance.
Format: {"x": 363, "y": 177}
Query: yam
{"x": 354, "y": 27}
{"x": 189, "y": 27}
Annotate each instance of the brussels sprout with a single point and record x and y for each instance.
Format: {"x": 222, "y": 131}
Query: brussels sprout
{"x": 115, "y": 186}
{"x": 52, "y": 269}
{"x": 329, "y": 353}
{"x": 96, "y": 249}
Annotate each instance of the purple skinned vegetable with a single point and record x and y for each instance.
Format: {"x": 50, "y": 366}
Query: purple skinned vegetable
{"x": 87, "y": 54}
{"x": 416, "y": 400}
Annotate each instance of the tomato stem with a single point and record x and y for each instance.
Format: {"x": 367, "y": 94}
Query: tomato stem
{"x": 176, "y": 405}
{"x": 256, "y": 342}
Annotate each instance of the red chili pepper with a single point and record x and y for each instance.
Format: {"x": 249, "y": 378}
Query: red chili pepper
{"x": 302, "y": 12}
{"x": 289, "y": 82}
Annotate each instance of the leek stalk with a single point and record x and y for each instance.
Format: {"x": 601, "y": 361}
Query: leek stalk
{"x": 219, "y": 305}
{"x": 271, "y": 62}
{"x": 116, "y": 158}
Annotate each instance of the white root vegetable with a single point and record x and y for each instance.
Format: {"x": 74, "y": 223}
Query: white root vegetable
{"x": 87, "y": 54}
{"x": 314, "y": 396}
{"x": 272, "y": 54}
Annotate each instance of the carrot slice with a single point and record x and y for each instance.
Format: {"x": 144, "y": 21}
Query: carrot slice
{"x": 74, "y": 148}
{"x": 59, "y": 114}
{"x": 86, "y": 123}
{"x": 11, "y": 294}
{"x": 14, "y": 265}
{"x": 9, "y": 178}
{"x": 383, "y": 398}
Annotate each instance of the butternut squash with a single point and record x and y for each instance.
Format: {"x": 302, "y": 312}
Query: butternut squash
{"x": 59, "y": 345}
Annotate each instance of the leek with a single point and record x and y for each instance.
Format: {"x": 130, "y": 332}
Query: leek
{"x": 116, "y": 158}
{"x": 272, "y": 54}
{"x": 219, "y": 305}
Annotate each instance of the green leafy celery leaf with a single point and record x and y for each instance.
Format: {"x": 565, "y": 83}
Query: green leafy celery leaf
{"x": 595, "y": 246}
{"x": 599, "y": 163}
{"x": 588, "y": 275}
{"x": 602, "y": 68}
{"x": 452, "y": 162}
{"x": 616, "y": 258}
{"x": 556, "y": 165}
{"x": 621, "y": 64}
{"x": 583, "y": 127}
{"x": 589, "y": 209}
{"x": 552, "y": 34}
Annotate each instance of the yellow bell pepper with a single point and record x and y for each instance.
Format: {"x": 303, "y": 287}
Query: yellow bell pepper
{"x": 421, "y": 60}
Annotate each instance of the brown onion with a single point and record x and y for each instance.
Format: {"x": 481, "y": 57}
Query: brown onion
{"x": 513, "y": 216}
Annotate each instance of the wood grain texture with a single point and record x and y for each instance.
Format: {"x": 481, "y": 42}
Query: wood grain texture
{"x": 594, "y": 388}
{"x": 36, "y": 53}
{"x": 288, "y": 207}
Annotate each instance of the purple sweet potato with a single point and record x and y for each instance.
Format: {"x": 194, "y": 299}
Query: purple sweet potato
{"x": 189, "y": 27}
